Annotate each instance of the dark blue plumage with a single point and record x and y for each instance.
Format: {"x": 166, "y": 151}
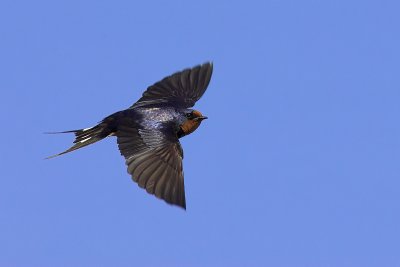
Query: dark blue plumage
{"x": 148, "y": 132}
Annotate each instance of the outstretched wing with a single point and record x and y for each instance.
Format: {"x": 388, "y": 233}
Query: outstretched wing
{"x": 154, "y": 161}
{"x": 181, "y": 89}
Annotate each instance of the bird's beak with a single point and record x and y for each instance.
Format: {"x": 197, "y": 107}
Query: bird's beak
{"x": 201, "y": 118}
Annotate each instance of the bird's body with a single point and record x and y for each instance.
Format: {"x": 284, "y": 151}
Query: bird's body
{"x": 148, "y": 132}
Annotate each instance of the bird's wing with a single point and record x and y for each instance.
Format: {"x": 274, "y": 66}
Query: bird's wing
{"x": 181, "y": 89}
{"x": 154, "y": 160}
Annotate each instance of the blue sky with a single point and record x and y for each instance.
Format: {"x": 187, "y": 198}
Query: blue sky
{"x": 298, "y": 164}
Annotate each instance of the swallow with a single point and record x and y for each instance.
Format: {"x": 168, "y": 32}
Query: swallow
{"x": 148, "y": 132}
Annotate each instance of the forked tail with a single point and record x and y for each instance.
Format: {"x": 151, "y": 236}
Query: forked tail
{"x": 85, "y": 137}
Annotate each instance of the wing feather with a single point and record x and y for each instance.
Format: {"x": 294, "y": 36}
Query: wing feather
{"x": 182, "y": 89}
{"x": 154, "y": 160}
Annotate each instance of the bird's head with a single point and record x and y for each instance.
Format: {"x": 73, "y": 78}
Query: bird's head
{"x": 192, "y": 122}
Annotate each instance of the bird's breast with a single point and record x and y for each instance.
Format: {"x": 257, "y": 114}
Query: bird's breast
{"x": 189, "y": 127}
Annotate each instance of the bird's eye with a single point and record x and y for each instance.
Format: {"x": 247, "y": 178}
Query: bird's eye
{"x": 189, "y": 115}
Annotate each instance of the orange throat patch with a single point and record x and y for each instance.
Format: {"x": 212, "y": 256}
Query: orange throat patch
{"x": 190, "y": 126}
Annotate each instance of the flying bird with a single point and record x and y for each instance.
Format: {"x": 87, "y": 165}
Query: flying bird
{"x": 148, "y": 132}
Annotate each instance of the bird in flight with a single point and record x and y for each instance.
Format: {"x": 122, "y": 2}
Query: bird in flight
{"x": 148, "y": 132}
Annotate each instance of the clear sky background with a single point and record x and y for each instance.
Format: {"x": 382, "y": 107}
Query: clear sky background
{"x": 298, "y": 164}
